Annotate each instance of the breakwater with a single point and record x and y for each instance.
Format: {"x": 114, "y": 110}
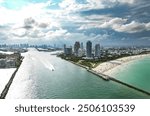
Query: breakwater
{"x": 5, "y": 91}
{"x": 106, "y": 77}
{"x": 128, "y": 85}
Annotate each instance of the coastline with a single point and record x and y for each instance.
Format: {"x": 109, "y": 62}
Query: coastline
{"x": 106, "y": 70}
{"x": 114, "y": 66}
{"x": 110, "y": 67}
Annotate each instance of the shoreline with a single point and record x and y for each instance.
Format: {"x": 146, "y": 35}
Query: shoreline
{"x": 114, "y": 66}
{"x": 110, "y": 67}
{"x": 106, "y": 69}
{"x": 107, "y": 77}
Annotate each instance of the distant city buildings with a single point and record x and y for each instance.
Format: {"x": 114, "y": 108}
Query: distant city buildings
{"x": 89, "y": 49}
{"x": 98, "y": 51}
{"x": 20, "y": 47}
{"x": 79, "y": 50}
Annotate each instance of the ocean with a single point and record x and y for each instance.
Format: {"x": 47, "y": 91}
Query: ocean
{"x": 136, "y": 73}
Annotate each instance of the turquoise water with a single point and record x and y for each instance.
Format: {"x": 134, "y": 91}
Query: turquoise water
{"x": 68, "y": 81}
{"x": 137, "y": 73}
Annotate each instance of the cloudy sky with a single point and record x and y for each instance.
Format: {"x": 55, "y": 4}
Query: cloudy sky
{"x": 110, "y": 22}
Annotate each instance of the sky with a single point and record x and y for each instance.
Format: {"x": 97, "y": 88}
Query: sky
{"x": 108, "y": 22}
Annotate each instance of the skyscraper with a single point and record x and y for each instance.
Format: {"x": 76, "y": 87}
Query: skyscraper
{"x": 97, "y": 50}
{"x": 67, "y": 50}
{"x": 81, "y": 46}
{"x": 76, "y": 48}
{"x": 64, "y": 48}
{"x": 89, "y": 49}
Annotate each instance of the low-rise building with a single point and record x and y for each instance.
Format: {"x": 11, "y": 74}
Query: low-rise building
{"x": 2, "y": 63}
{"x": 10, "y": 61}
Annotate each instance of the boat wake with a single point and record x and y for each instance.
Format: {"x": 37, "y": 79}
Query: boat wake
{"x": 43, "y": 58}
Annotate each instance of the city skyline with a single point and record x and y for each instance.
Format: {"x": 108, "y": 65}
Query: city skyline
{"x": 61, "y": 22}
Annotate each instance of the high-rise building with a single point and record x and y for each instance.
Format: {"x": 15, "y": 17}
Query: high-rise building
{"x": 76, "y": 48}
{"x": 81, "y": 46}
{"x": 89, "y": 49}
{"x": 64, "y": 48}
{"x": 97, "y": 50}
{"x": 67, "y": 50}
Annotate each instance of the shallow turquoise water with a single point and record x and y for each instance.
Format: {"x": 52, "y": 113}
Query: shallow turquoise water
{"x": 137, "y": 73}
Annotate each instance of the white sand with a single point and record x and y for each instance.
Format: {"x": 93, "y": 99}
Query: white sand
{"x": 109, "y": 68}
{"x": 2, "y": 52}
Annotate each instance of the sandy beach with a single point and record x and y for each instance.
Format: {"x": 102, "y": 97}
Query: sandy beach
{"x": 109, "y": 68}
